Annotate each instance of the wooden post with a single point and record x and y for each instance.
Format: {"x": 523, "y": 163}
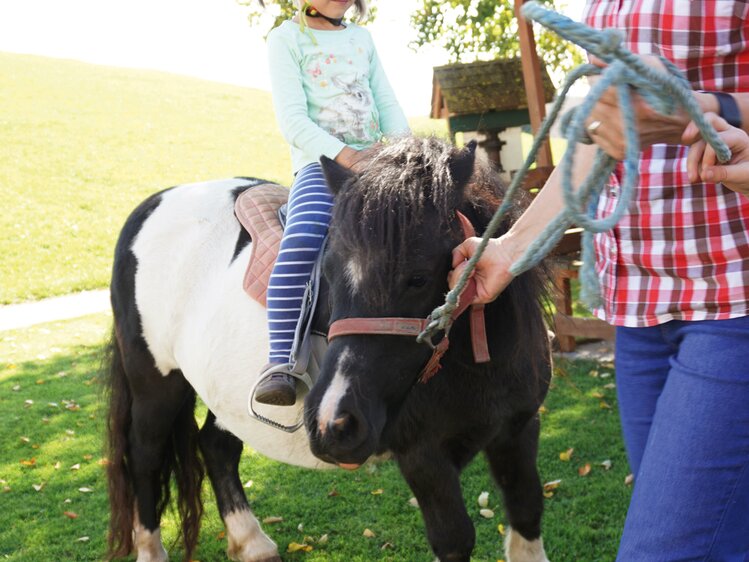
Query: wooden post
{"x": 534, "y": 87}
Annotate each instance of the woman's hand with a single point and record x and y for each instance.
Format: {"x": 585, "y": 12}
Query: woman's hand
{"x": 492, "y": 271}
{"x": 702, "y": 163}
{"x": 606, "y": 123}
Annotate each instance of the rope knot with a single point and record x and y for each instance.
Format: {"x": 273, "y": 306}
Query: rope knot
{"x": 610, "y": 41}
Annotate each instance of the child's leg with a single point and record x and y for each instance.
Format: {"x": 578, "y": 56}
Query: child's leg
{"x": 309, "y": 210}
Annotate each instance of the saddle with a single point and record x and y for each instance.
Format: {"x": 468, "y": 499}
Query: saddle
{"x": 257, "y": 209}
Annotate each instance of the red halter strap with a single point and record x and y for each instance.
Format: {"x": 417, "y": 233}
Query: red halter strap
{"x": 396, "y": 326}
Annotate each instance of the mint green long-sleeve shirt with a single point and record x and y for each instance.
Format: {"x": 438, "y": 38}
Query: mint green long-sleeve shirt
{"x": 330, "y": 92}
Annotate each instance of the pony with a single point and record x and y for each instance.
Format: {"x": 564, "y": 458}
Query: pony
{"x": 184, "y": 328}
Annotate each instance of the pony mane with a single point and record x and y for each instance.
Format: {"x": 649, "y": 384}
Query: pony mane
{"x": 405, "y": 194}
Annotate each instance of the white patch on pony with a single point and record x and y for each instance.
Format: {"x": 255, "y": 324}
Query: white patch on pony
{"x": 518, "y": 549}
{"x": 148, "y": 545}
{"x": 247, "y": 541}
{"x": 354, "y": 275}
{"x": 196, "y": 317}
{"x": 334, "y": 394}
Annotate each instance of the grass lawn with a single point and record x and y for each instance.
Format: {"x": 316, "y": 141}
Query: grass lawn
{"x": 83, "y": 144}
{"x": 51, "y": 449}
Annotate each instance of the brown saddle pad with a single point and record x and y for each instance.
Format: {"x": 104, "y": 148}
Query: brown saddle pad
{"x": 257, "y": 211}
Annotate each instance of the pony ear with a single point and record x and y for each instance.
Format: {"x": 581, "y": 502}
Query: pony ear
{"x": 336, "y": 175}
{"x": 461, "y": 164}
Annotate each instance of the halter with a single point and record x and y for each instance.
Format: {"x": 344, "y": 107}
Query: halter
{"x": 397, "y": 326}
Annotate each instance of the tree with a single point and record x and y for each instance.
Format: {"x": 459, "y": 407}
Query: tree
{"x": 472, "y": 30}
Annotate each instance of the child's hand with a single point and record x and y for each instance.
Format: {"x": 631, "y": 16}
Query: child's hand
{"x": 348, "y": 157}
{"x": 703, "y": 164}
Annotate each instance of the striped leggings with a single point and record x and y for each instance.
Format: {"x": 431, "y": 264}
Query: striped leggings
{"x": 307, "y": 220}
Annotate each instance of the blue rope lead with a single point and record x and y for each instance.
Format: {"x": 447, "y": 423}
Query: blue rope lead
{"x": 661, "y": 90}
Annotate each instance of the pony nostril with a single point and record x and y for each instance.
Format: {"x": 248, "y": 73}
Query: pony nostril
{"x": 344, "y": 426}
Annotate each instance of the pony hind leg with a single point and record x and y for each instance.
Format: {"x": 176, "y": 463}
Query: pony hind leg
{"x": 162, "y": 441}
{"x": 513, "y": 465}
{"x": 221, "y": 453}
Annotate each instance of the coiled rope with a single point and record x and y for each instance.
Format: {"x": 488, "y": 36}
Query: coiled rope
{"x": 661, "y": 90}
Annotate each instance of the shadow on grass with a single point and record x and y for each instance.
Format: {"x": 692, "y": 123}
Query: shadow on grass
{"x": 52, "y": 411}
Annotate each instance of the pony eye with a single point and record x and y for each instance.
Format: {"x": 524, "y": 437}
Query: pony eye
{"x": 417, "y": 281}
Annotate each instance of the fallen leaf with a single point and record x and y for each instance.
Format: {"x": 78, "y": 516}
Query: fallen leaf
{"x": 85, "y": 490}
{"x": 248, "y": 484}
{"x": 70, "y": 514}
{"x": 377, "y": 492}
{"x": 501, "y": 529}
{"x": 553, "y": 485}
{"x": 610, "y": 386}
{"x": 414, "y": 502}
{"x": 593, "y": 373}
{"x": 70, "y": 432}
{"x": 606, "y": 464}
{"x": 29, "y": 462}
{"x": 6, "y": 489}
{"x": 565, "y": 456}
{"x": 38, "y": 487}
{"x": 35, "y": 446}
{"x": 486, "y": 513}
{"x": 387, "y": 545}
{"x": 323, "y": 539}
{"x": 483, "y": 499}
{"x": 369, "y": 534}
{"x": 221, "y": 535}
{"x": 598, "y": 395}
{"x": 68, "y": 500}
{"x": 629, "y": 479}
{"x": 40, "y": 381}
{"x": 333, "y": 493}
{"x": 296, "y": 547}
{"x": 75, "y": 467}
{"x": 28, "y": 403}
{"x": 82, "y": 539}
{"x": 25, "y": 440}
{"x": 16, "y": 388}
{"x": 57, "y": 465}
{"x": 88, "y": 457}
{"x": 300, "y": 528}
{"x": 604, "y": 405}
{"x": 272, "y": 519}
{"x": 103, "y": 462}
{"x": 584, "y": 470}
{"x": 542, "y": 410}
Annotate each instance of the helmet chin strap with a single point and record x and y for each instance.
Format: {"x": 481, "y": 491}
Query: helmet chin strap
{"x": 313, "y": 12}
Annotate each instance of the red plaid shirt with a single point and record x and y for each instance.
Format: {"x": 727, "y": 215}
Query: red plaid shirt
{"x": 682, "y": 250}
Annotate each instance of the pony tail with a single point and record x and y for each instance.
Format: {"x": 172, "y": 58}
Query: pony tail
{"x": 189, "y": 472}
{"x": 121, "y": 495}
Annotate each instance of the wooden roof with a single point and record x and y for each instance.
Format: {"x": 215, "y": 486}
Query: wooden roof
{"x": 459, "y": 89}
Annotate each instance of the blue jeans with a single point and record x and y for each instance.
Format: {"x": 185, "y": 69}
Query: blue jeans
{"x": 684, "y": 398}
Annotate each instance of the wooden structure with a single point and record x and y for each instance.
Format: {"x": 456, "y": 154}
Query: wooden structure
{"x": 566, "y": 254}
{"x": 486, "y": 96}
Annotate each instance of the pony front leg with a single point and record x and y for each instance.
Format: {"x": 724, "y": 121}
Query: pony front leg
{"x": 221, "y": 453}
{"x": 513, "y": 464}
{"x": 435, "y": 482}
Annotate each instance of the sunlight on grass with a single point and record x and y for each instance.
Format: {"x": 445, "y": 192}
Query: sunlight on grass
{"x": 55, "y": 442}
{"x": 83, "y": 144}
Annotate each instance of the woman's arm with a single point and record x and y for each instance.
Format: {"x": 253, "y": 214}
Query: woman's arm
{"x": 492, "y": 272}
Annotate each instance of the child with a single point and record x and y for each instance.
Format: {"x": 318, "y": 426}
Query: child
{"x": 331, "y": 98}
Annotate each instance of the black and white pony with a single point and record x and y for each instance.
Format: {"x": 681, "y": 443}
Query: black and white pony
{"x": 184, "y": 327}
